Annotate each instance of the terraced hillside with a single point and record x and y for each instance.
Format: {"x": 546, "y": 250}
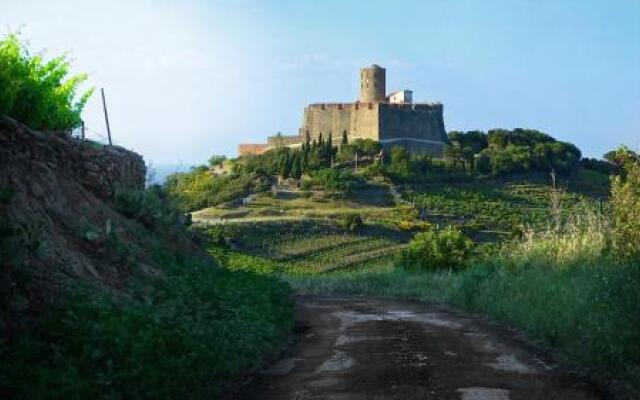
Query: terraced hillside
{"x": 309, "y": 247}
{"x": 498, "y": 208}
{"x": 303, "y": 232}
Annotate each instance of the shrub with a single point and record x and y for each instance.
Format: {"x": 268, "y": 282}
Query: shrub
{"x": 625, "y": 199}
{"x": 352, "y": 222}
{"x": 432, "y": 250}
{"x": 333, "y": 180}
{"x": 413, "y": 225}
{"x": 39, "y": 93}
{"x": 150, "y": 207}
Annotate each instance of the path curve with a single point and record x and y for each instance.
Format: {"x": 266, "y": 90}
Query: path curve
{"x": 354, "y": 348}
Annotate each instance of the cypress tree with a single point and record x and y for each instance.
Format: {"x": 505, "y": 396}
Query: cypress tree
{"x": 344, "y": 138}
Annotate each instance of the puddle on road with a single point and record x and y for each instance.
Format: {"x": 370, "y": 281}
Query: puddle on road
{"x": 346, "y": 339}
{"x": 509, "y": 362}
{"x": 338, "y": 362}
{"x": 351, "y": 318}
{"x": 482, "y": 393}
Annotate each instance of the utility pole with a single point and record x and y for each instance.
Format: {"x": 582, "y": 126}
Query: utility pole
{"x": 82, "y": 122}
{"x": 106, "y": 115}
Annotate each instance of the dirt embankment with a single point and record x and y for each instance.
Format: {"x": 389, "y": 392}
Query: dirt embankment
{"x": 58, "y": 226}
{"x": 359, "y": 348}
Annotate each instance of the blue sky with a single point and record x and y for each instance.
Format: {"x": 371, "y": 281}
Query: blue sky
{"x": 187, "y": 79}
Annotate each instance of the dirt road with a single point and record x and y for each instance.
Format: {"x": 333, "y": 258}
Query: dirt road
{"x": 357, "y": 348}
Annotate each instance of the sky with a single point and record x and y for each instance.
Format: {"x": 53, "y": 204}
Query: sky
{"x": 187, "y": 79}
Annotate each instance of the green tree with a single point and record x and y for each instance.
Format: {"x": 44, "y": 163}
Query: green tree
{"x": 400, "y": 162}
{"x": 296, "y": 166}
{"x": 216, "y": 160}
{"x": 344, "y": 138}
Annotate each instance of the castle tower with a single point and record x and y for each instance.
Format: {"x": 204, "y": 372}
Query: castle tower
{"x": 372, "y": 84}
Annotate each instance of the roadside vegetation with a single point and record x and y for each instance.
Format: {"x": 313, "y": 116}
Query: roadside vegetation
{"x": 172, "y": 324}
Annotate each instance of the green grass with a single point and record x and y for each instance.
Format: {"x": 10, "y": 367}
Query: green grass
{"x": 189, "y": 336}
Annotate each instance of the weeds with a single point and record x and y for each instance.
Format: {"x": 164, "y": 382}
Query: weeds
{"x": 200, "y": 328}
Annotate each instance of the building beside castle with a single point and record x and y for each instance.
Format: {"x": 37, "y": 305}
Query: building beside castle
{"x": 392, "y": 120}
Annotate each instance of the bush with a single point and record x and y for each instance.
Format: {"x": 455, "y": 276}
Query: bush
{"x": 352, "y": 222}
{"x": 333, "y": 180}
{"x": 432, "y": 250}
{"x": 40, "y": 94}
{"x": 150, "y": 207}
{"x": 625, "y": 199}
{"x": 413, "y": 225}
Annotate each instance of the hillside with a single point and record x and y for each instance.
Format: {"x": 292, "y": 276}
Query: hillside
{"x": 104, "y": 292}
{"x": 536, "y": 249}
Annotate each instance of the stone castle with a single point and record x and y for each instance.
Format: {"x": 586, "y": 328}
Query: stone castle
{"x": 392, "y": 120}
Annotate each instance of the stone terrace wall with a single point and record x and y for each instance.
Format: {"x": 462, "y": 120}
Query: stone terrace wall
{"x": 100, "y": 169}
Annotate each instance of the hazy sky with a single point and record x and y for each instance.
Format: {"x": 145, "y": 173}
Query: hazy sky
{"x": 187, "y": 79}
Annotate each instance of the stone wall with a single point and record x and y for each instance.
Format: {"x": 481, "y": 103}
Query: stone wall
{"x": 245, "y": 149}
{"x": 419, "y": 127}
{"x": 100, "y": 169}
{"x": 359, "y": 120}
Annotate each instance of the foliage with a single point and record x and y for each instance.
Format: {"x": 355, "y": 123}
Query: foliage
{"x": 199, "y": 189}
{"x": 216, "y": 160}
{"x": 361, "y": 147}
{"x": 150, "y": 207}
{"x": 621, "y": 156}
{"x": 438, "y": 249}
{"x": 197, "y": 330}
{"x": 476, "y": 140}
{"x": 414, "y": 225}
{"x": 333, "y": 180}
{"x": 36, "y": 92}
{"x": 605, "y": 167}
{"x": 352, "y": 222}
{"x": 625, "y": 199}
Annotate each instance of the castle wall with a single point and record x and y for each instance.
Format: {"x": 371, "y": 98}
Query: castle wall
{"x": 357, "y": 119}
{"x": 419, "y": 127}
{"x": 245, "y": 149}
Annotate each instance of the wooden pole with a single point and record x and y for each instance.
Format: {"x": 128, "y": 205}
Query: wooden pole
{"x": 106, "y": 115}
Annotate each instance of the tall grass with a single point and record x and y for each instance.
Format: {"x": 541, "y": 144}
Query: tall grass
{"x": 568, "y": 289}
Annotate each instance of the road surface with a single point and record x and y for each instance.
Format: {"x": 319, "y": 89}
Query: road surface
{"x": 351, "y": 348}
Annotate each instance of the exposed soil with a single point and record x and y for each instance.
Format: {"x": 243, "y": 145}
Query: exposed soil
{"x": 359, "y": 348}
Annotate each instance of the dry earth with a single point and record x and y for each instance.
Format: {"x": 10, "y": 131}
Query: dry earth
{"x": 360, "y": 348}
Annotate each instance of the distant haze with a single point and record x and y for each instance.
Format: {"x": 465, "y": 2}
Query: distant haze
{"x": 187, "y": 79}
